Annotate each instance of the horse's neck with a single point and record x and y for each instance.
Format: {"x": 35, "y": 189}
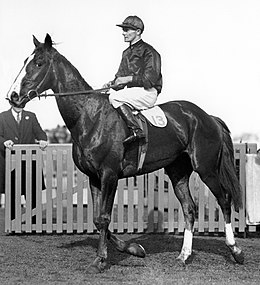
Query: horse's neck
{"x": 69, "y": 80}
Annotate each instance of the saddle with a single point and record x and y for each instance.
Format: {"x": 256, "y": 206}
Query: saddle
{"x": 154, "y": 116}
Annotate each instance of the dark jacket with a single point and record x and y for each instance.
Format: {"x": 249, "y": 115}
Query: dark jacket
{"x": 143, "y": 62}
{"x": 26, "y": 132}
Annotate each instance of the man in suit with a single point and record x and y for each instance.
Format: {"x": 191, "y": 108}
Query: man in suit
{"x": 18, "y": 126}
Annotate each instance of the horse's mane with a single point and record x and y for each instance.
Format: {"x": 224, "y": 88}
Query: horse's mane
{"x": 73, "y": 68}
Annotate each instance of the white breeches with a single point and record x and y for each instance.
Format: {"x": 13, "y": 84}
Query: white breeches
{"x": 137, "y": 97}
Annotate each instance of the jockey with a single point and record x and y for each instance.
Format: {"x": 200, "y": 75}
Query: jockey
{"x": 138, "y": 80}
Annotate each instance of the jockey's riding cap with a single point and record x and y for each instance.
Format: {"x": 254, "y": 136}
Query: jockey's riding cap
{"x": 132, "y": 22}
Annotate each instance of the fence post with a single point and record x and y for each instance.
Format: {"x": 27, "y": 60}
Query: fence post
{"x": 151, "y": 186}
{"x": 8, "y": 168}
{"x": 70, "y": 177}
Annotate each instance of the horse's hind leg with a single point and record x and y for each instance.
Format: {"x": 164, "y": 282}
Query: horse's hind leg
{"x": 224, "y": 201}
{"x": 179, "y": 173}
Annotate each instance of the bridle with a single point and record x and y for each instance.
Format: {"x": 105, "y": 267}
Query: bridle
{"x": 35, "y": 91}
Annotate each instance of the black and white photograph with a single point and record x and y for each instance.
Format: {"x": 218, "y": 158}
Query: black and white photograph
{"x": 130, "y": 142}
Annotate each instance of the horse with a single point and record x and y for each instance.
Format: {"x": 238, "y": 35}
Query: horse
{"x": 191, "y": 141}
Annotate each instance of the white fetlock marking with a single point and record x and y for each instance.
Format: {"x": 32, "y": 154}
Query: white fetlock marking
{"x": 230, "y": 240}
{"x": 141, "y": 247}
{"x": 187, "y": 244}
{"x": 237, "y": 250}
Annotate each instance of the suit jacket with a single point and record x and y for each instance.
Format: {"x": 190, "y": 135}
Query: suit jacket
{"x": 26, "y": 132}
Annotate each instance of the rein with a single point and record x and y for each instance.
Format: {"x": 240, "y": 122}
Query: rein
{"x": 100, "y": 90}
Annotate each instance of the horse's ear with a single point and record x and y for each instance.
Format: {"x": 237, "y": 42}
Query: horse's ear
{"x": 48, "y": 42}
{"x": 35, "y": 41}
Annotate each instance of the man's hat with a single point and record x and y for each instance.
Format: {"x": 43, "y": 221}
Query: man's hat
{"x": 132, "y": 22}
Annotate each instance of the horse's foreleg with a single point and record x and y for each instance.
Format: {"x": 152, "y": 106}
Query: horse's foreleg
{"x": 132, "y": 248}
{"x": 103, "y": 194}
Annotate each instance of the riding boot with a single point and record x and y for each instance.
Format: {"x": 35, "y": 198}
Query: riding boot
{"x": 127, "y": 115}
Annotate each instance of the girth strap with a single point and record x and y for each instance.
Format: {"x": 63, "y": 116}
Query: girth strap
{"x": 143, "y": 144}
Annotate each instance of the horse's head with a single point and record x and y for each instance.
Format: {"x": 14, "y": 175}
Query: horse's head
{"x": 37, "y": 73}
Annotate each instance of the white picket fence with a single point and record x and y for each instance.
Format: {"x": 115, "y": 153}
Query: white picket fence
{"x": 143, "y": 204}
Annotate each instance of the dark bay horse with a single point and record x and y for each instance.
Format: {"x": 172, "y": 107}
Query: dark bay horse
{"x": 191, "y": 141}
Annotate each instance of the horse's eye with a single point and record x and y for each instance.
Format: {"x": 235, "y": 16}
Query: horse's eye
{"x": 38, "y": 64}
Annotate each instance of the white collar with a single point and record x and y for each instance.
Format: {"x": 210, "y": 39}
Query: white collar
{"x": 15, "y": 113}
{"x": 135, "y": 42}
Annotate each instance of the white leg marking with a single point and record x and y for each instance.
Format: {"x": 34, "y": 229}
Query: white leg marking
{"x": 187, "y": 241}
{"x": 230, "y": 240}
{"x": 187, "y": 245}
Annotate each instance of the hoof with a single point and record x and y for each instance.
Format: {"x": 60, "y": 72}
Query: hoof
{"x": 184, "y": 256}
{"x": 239, "y": 258}
{"x": 237, "y": 253}
{"x": 181, "y": 260}
{"x": 136, "y": 250}
{"x": 93, "y": 269}
{"x": 97, "y": 266}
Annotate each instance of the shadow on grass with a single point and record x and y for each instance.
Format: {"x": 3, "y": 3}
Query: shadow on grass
{"x": 154, "y": 243}
{"x": 158, "y": 244}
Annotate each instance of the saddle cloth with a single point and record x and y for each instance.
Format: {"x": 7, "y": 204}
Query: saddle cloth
{"x": 155, "y": 116}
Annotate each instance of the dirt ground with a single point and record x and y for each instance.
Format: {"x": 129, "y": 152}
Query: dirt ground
{"x": 63, "y": 259}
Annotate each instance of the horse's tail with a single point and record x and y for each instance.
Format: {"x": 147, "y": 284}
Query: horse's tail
{"x": 227, "y": 172}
